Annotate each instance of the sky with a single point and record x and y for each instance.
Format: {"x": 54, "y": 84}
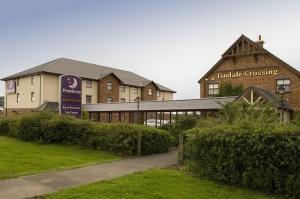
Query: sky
{"x": 172, "y": 42}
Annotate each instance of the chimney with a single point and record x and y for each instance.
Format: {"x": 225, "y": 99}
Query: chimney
{"x": 260, "y": 42}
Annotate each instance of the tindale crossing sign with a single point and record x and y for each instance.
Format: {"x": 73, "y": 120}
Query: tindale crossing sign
{"x": 70, "y": 95}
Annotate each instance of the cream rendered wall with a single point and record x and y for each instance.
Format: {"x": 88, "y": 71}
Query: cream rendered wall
{"x": 24, "y": 89}
{"x": 90, "y": 91}
{"x": 165, "y": 96}
{"x": 129, "y": 94}
{"x": 50, "y": 90}
{"x": 50, "y": 85}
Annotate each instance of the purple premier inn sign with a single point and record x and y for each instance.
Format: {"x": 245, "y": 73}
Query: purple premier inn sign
{"x": 70, "y": 95}
{"x": 11, "y": 87}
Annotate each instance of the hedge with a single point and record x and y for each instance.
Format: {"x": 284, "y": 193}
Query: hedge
{"x": 117, "y": 138}
{"x": 261, "y": 160}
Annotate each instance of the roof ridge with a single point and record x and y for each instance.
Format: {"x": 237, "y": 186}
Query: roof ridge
{"x": 52, "y": 64}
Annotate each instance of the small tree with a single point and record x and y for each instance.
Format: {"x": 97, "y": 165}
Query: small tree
{"x": 227, "y": 89}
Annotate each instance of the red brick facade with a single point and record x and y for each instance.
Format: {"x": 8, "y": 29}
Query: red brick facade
{"x": 249, "y": 64}
{"x": 145, "y": 92}
{"x": 104, "y": 93}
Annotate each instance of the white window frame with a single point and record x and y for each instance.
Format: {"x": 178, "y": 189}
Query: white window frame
{"x": 88, "y": 96}
{"x": 158, "y": 93}
{"x": 88, "y": 83}
{"x": 150, "y": 91}
{"x": 18, "y": 98}
{"x": 32, "y": 97}
{"x": 109, "y": 86}
{"x": 135, "y": 90}
{"x": 122, "y": 88}
{"x": 33, "y": 79}
{"x": 286, "y": 82}
{"x": 213, "y": 89}
{"x": 108, "y": 100}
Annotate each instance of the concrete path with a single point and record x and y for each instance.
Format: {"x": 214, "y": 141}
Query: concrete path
{"x": 40, "y": 184}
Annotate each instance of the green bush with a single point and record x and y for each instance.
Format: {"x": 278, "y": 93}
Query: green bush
{"x": 267, "y": 160}
{"x": 122, "y": 138}
{"x": 118, "y": 138}
{"x": 9, "y": 126}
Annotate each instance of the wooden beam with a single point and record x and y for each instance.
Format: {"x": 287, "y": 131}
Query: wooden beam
{"x": 257, "y": 99}
{"x": 246, "y": 100}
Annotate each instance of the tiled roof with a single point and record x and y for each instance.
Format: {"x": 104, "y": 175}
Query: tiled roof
{"x": 86, "y": 70}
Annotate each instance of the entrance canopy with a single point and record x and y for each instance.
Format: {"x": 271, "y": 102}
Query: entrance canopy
{"x": 253, "y": 95}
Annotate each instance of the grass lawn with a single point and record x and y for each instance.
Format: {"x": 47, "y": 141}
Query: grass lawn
{"x": 18, "y": 158}
{"x": 158, "y": 184}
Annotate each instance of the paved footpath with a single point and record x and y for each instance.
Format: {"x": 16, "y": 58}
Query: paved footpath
{"x": 40, "y": 184}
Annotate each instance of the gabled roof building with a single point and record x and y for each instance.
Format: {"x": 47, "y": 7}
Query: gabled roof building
{"x": 101, "y": 84}
{"x": 249, "y": 64}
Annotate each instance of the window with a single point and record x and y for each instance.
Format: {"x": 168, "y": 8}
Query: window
{"x": 88, "y": 99}
{"x": 213, "y": 89}
{"x": 89, "y": 83}
{"x": 122, "y": 100}
{"x": 150, "y": 91}
{"x": 32, "y": 79}
{"x": 18, "y": 97}
{"x": 109, "y": 86}
{"x": 286, "y": 83}
{"x": 158, "y": 93}
{"x": 122, "y": 89}
{"x": 32, "y": 97}
{"x": 108, "y": 100}
{"x": 135, "y": 90}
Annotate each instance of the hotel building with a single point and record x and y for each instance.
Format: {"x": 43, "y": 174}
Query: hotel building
{"x": 249, "y": 64}
{"x": 38, "y": 86}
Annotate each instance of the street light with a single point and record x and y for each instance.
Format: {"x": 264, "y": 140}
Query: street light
{"x": 138, "y": 100}
{"x": 281, "y": 91}
{"x": 139, "y": 135}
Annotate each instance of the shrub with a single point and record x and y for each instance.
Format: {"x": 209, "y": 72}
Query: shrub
{"x": 185, "y": 122}
{"x": 9, "y": 126}
{"x": 118, "y": 138}
{"x": 267, "y": 159}
{"x": 32, "y": 126}
{"x": 122, "y": 138}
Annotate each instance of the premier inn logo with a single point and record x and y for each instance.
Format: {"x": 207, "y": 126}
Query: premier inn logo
{"x": 238, "y": 74}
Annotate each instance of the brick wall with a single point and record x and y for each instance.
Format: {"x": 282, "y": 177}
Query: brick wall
{"x": 252, "y": 63}
{"x": 103, "y": 93}
{"x": 145, "y": 93}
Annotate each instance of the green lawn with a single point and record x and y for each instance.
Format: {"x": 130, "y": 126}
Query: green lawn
{"x": 18, "y": 158}
{"x": 158, "y": 184}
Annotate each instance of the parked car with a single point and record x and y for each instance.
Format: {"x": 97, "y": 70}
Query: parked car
{"x": 152, "y": 122}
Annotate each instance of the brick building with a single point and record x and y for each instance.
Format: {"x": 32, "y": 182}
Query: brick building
{"x": 248, "y": 63}
{"x": 39, "y": 85}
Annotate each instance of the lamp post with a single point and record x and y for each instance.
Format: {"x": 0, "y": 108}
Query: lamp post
{"x": 281, "y": 91}
{"x": 139, "y": 136}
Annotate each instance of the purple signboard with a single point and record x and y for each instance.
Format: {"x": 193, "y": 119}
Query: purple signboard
{"x": 70, "y": 95}
{"x": 11, "y": 87}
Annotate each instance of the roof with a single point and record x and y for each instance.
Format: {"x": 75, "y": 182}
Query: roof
{"x": 48, "y": 106}
{"x": 267, "y": 95}
{"x": 172, "y": 105}
{"x": 85, "y": 70}
{"x": 259, "y": 49}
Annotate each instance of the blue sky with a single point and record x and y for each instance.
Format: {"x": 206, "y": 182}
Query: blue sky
{"x": 173, "y": 42}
